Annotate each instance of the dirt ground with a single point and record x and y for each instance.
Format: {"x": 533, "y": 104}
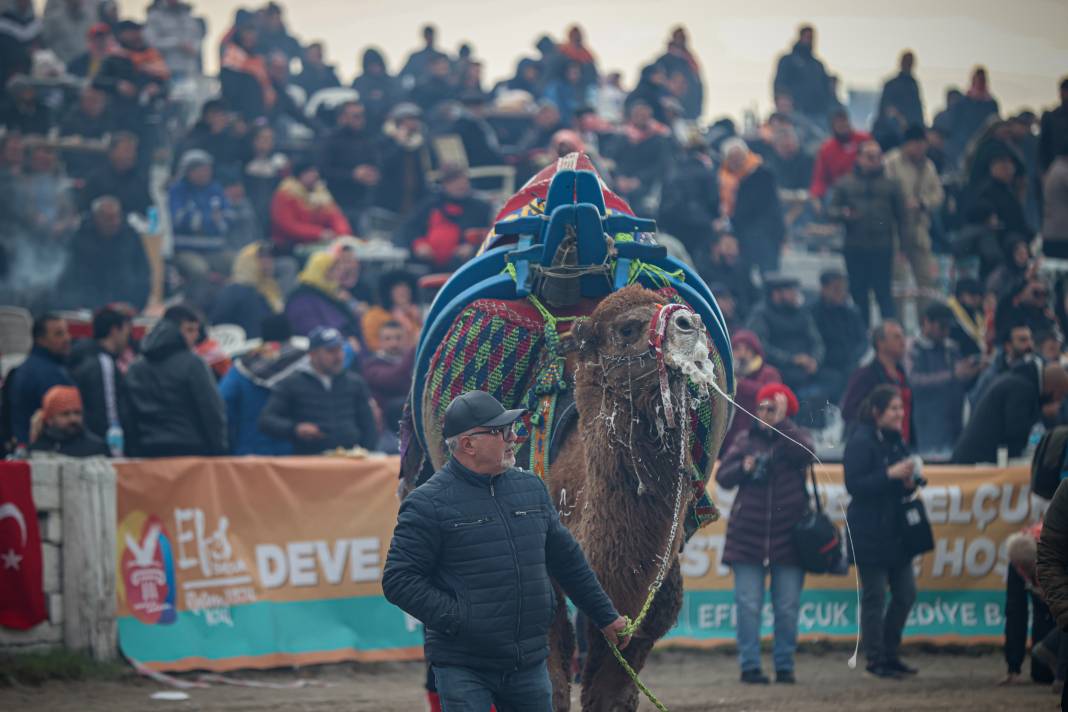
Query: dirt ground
{"x": 684, "y": 681}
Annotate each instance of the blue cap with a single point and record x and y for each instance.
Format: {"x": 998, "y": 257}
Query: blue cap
{"x": 324, "y": 337}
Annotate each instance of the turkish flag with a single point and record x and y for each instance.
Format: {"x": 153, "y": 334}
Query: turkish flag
{"x": 22, "y": 600}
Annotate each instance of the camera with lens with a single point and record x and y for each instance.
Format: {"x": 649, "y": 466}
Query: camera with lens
{"x": 759, "y": 474}
{"x": 917, "y": 472}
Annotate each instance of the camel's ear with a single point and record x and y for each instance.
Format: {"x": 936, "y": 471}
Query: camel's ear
{"x": 582, "y": 337}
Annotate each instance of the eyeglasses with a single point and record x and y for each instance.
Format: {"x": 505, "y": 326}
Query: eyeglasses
{"x": 508, "y": 432}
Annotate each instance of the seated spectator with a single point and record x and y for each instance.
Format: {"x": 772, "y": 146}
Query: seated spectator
{"x": 444, "y": 231}
{"x": 216, "y": 133}
{"x": 315, "y": 74}
{"x": 1016, "y": 344}
{"x": 379, "y": 92}
{"x": 243, "y": 72}
{"x": 843, "y": 332}
{"x": 396, "y": 303}
{"x": 404, "y": 161}
{"x": 1018, "y": 264}
{"x": 749, "y": 199}
{"x": 319, "y": 299}
{"x": 1048, "y": 346}
{"x": 303, "y": 211}
{"x": 61, "y": 427}
{"x": 321, "y": 406}
{"x": 107, "y": 261}
{"x": 1022, "y": 592}
{"x": 478, "y": 136}
{"x": 940, "y": 377}
{"x": 176, "y": 409}
{"x": 99, "y": 44}
{"x": 349, "y": 161}
{"x": 729, "y": 268}
{"x": 246, "y": 388}
{"x": 43, "y": 195}
{"x": 263, "y": 171}
{"x": 173, "y": 30}
{"x": 689, "y": 205}
{"x": 527, "y": 78}
{"x": 199, "y": 208}
{"x": 274, "y": 35}
{"x": 388, "y": 373}
{"x": 22, "y": 110}
{"x": 1027, "y": 394}
{"x": 837, "y": 154}
{"x": 1055, "y": 208}
{"x": 1026, "y": 302}
{"x": 245, "y": 226}
{"x": 642, "y": 157}
{"x": 532, "y": 148}
{"x": 569, "y": 91}
{"x": 435, "y": 87}
{"x": 120, "y": 177}
{"x": 791, "y": 166}
{"x": 887, "y": 367}
{"x": 575, "y": 50}
{"x": 135, "y": 75}
{"x": 968, "y": 329}
{"x": 288, "y": 109}
{"x": 752, "y": 374}
{"x": 253, "y": 296}
{"x": 100, "y": 381}
{"x": 90, "y": 120}
{"x": 45, "y": 367}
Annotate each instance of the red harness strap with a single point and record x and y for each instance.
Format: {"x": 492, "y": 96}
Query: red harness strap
{"x": 657, "y": 336}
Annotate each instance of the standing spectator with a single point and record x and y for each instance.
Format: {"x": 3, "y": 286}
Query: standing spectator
{"x": 303, "y": 211}
{"x": 263, "y": 171}
{"x": 689, "y": 206}
{"x": 575, "y": 50}
{"x": 388, "y": 372}
{"x": 176, "y": 408}
{"x": 842, "y": 330}
{"x": 418, "y": 64}
{"x": 379, "y": 91}
{"x": 1054, "y": 131}
{"x": 679, "y": 58}
{"x": 315, "y": 74}
{"x": 20, "y": 32}
{"x": 43, "y": 368}
{"x": 120, "y": 177}
{"x": 903, "y": 92}
{"x": 769, "y": 472}
{"x": 872, "y": 207}
{"x": 791, "y": 166}
{"x": 803, "y": 77}
{"x": 349, "y": 161}
{"x": 753, "y": 373}
{"x": 642, "y": 157}
{"x": 968, "y": 115}
{"x": 246, "y": 388}
{"x": 107, "y": 261}
{"x": 1022, "y": 592}
{"x": 246, "y": 86}
{"x": 199, "y": 208}
{"x": 749, "y": 199}
{"x": 940, "y": 377}
{"x": 837, "y": 155}
{"x": 98, "y": 46}
{"x": 321, "y": 406}
{"x": 444, "y": 232}
{"x": 1026, "y": 302}
{"x": 136, "y": 76}
{"x": 888, "y": 342}
{"x": 1052, "y": 563}
{"x": 651, "y": 89}
{"x": 64, "y": 26}
{"x": 100, "y": 381}
{"x": 396, "y": 303}
{"x": 173, "y": 30}
{"x": 253, "y": 296}
{"x": 319, "y": 298}
{"x": 996, "y": 214}
{"x": 435, "y": 87}
{"x": 968, "y": 329}
{"x": 922, "y": 188}
{"x": 61, "y": 426}
{"x": 1013, "y": 404}
{"x": 273, "y": 34}
{"x": 1017, "y": 344}
{"x": 879, "y": 476}
{"x": 1055, "y": 208}
{"x": 215, "y": 132}
{"x": 404, "y": 161}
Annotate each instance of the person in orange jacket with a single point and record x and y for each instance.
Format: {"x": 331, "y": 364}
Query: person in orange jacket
{"x": 303, "y": 211}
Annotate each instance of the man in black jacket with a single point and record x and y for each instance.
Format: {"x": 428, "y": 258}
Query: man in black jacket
{"x": 101, "y": 383}
{"x": 321, "y": 406}
{"x": 471, "y": 557}
{"x": 349, "y": 161}
{"x": 844, "y": 337}
{"x": 176, "y": 408}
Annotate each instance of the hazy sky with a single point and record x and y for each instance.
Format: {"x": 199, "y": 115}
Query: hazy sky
{"x": 1023, "y": 43}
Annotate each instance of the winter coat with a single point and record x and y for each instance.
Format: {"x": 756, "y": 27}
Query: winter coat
{"x": 378, "y": 92}
{"x": 130, "y": 187}
{"x": 919, "y": 182}
{"x": 903, "y": 93}
{"x": 764, "y": 513}
{"x": 757, "y": 213}
{"x": 241, "y": 304}
{"x": 937, "y": 396}
{"x": 864, "y": 380}
{"x": 876, "y": 206}
{"x": 1003, "y": 417}
{"x": 342, "y": 152}
{"x": 309, "y": 307}
{"x": 996, "y": 199}
{"x": 785, "y": 332}
{"x": 342, "y": 412}
{"x": 834, "y": 160}
{"x": 1053, "y": 137}
{"x": 471, "y": 558}
{"x": 170, "y": 30}
{"x": 199, "y": 211}
{"x": 748, "y": 385}
{"x": 845, "y": 338}
{"x": 963, "y": 120}
{"x": 88, "y": 375}
{"x": 29, "y": 382}
{"x": 791, "y": 172}
{"x": 1052, "y": 565}
{"x": 101, "y": 270}
{"x": 402, "y": 182}
{"x": 1055, "y": 202}
{"x": 441, "y": 223}
{"x": 300, "y": 217}
{"x": 804, "y": 78}
{"x": 390, "y": 381}
{"x": 176, "y": 407}
{"x": 245, "y": 390}
{"x": 84, "y": 444}
{"x": 876, "y": 508}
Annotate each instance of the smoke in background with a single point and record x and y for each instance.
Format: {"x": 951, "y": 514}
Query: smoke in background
{"x": 30, "y": 269}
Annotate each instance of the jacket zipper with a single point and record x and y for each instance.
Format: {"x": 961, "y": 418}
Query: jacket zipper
{"x": 518, "y": 581}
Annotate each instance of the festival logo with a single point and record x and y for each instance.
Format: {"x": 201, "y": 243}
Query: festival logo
{"x": 146, "y": 569}
{"x": 222, "y": 579}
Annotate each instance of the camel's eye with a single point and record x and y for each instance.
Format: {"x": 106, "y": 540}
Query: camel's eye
{"x": 629, "y": 331}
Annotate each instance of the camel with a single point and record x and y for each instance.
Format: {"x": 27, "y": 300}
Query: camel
{"x": 621, "y": 477}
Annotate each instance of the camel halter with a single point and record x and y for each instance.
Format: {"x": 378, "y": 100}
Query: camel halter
{"x": 657, "y": 336}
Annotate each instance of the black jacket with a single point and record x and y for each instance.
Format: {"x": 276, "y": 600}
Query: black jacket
{"x": 786, "y": 331}
{"x": 342, "y": 413}
{"x": 903, "y": 93}
{"x": 102, "y": 270}
{"x": 471, "y": 558}
{"x": 875, "y": 513}
{"x": 343, "y": 150}
{"x": 175, "y": 406}
{"x": 130, "y": 187}
{"x": 757, "y": 212}
{"x": 88, "y": 375}
{"x": 845, "y": 337}
{"x": 689, "y": 203}
{"x": 84, "y": 444}
{"x": 1003, "y": 417}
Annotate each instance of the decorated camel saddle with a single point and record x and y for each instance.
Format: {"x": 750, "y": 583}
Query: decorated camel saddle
{"x": 501, "y": 324}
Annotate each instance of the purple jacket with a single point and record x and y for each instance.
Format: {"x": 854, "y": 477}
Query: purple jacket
{"x": 309, "y": 307}
{"x": 760, "y": 528}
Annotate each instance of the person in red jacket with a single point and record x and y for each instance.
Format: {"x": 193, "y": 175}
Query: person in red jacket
{"x": 837, "y": 154}
{"x": 303, "y": 211}
{"x": 753, "y": 374}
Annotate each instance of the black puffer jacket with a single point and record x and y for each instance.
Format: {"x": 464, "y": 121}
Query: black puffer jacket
{"x": 175, "y": 406}
{"x": 471, "y": 557}
{"x": 876, "y": 510}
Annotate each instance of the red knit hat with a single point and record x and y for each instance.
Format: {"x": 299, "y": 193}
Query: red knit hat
{"x": 769, "y": 391}
{"x": 59, "y": 399}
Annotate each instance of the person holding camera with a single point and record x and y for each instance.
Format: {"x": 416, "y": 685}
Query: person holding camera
{"x": 769, "y": 472}
{"x": 880, "y": 474}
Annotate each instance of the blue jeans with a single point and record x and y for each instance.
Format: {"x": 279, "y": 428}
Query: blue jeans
{"x": 786, "y": 583}
{"x": 464, "y": 689}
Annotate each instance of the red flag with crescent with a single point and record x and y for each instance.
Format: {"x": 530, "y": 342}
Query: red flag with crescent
{"x": 22, "y": 599}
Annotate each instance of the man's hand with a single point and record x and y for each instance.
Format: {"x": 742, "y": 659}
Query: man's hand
{"x": 309, "y": 431}
{"x": 748, "y": 463}
{"x": 612, "y": 631}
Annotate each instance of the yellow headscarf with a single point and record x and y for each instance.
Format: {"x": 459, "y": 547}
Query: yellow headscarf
{"x": 246, "y": 270}
{"x": 315, "y": 272}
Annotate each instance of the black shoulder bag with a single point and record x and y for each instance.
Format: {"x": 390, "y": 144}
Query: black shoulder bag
{"x": 818, "y": 541}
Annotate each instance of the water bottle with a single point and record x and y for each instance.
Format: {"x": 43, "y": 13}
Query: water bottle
{"x": 153, "y": 226}
{"x": 1034, "y": 438}
{"x": 114, "y": 440}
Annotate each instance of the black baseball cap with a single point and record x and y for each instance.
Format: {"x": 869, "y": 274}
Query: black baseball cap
{"x": 476, "y": 409}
